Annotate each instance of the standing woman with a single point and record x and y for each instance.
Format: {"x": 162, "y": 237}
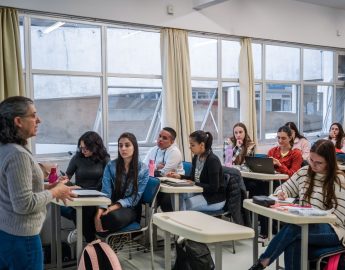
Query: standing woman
{"x": 23, "y": 195}
{"x": 124, "y": 182}
{"x": 336, "y": 135}
{"x": 299, "y": 141}
{"x": 239, "y": 146}
{"x": 207, "y": 173}
{"x": 321, "y": 185}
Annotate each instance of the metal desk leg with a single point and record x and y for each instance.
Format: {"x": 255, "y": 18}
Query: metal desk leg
{"x": 255, "y": 239}
{"x": 218, "y": 256}
{"x": 304, "y": 247}
{"x": 269, "y": 219}
{"x": 176, "y": 202}
{"x": 167, "y": 250}
{"x": 53, "y": 235}
{"x": 79, "y": 231}
{"x": 58, "y": 238}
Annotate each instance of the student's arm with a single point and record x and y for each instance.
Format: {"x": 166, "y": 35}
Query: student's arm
{"x": 173, "y": 159}
{"x": 108, "y": 179}
{"x": 291, "y": 186}
{"x": 72, "y": 167}
{"x": 296, "y": 163}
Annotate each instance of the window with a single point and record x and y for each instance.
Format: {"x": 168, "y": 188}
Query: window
{"x": 318, "y": 65}
{"x": 230, "y": 58}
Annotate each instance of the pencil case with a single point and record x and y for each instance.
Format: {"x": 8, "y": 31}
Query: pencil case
{"x": 263, "y": 200}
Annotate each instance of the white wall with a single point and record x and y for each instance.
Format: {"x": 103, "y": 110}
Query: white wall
{"x": 285, "y": 20}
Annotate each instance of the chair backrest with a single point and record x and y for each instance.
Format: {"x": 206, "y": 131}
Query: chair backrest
{"x": 151, "y": 190}
{"x": 187, "y": 166}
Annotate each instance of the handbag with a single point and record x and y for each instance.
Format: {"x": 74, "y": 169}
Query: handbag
{"x": 263, "y": 200}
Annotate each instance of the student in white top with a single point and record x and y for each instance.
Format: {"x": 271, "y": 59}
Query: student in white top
{"x": 299, "y": 141}
{"x": 166, "y": 155}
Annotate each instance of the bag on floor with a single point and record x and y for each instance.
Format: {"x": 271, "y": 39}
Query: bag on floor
{"x": 336, "y": 262}
{"x": 98, "y": 255}
{"x": 191, "y": 255}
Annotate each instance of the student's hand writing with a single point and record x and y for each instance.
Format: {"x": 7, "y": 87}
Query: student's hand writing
{"x": 281, "y": 195}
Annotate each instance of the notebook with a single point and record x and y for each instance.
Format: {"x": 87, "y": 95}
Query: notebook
{"x": 260, "y": 165}
{"x": 88, "y": 193}
{"x": 175, "y": 182}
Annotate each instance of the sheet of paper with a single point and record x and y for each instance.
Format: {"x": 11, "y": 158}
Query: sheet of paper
{"x": 287, "y": 200}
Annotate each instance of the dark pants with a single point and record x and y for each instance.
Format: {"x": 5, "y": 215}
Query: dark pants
{"x": 164, "y": 201}
{"x": 112, "y": 222}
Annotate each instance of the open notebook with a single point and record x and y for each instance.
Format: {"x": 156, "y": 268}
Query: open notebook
{"x": 88, "y": 193}
{"x": 175, "y": 182}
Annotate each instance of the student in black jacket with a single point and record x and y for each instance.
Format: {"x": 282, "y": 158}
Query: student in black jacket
{"x": 206, "y": 172}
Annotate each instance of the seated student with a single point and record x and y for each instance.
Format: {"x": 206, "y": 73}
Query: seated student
{"x": 300, "y": 142}
{"x": 239, "y": 146}
{"x": 167, "y": 158}
{"x": 88, "y": 165}
{"x": 166, "y": 155}
{"x": 124, "y": 182}
{"x": 322, "y": 185}
{"x": 207, "y": 173}
{"x": 286, "y": 161}
{"x": 336, "y": 135}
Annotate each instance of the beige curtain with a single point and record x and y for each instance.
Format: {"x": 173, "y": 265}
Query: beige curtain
{"x": 177, "y": 103}
{"x": 11, "y": 75}
{"x": 247, "y": 90}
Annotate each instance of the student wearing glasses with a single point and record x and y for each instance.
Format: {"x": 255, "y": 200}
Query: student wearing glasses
{"x": 87, "y": 165}
{"x": 321, "y": 185}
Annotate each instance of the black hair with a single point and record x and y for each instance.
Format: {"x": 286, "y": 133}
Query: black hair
{"x": 94, "y": 143}
{"x": 293, "y": 127}
{"x": 201, "y": 136}
{"x": 11, "y": 108}
{"x": 171, "y": 131}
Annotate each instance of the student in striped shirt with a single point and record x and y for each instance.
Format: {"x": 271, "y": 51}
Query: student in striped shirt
{"x": 322, "y": 185}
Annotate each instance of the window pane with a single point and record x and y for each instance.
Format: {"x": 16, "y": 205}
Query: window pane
{"x": 134, "y": 106}
{"x": 231, "y": 107}
{"x": 230, "y": 58}
{"x": 317, "y": 65}
{"x": 317, "y": 106}
{"x": 203, "y": 57}
{"x": 339, "y": 105}
{"x": 65, "y": 46}
{"x": 133, "y": 51}
{"x": 205, "y": 105}
{"x": 281, "y": 106}
{"x": 282, "y": 63}
{"x": 68, "y": 107}
{"x": 341, "y": 67}
{"x": 257, "y": 58}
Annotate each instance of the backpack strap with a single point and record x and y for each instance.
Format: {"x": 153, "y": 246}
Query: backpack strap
{"x": 92, "y": 254}
{"x": 114, "y": 261}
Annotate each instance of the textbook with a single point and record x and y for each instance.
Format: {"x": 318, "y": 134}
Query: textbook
{"x": 175, "y": 182}
{"x": 88, "y": 193}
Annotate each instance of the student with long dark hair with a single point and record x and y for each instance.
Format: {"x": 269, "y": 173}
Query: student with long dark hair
{"x": 241, "y": 145}
{"x": 337, "y": 136}
{"x": 207, "y": 172}
{"x": 322, "y": 185}
{"x": 124, "y": 182}
{"x": 299, "y": 141}
{"x": 87, "y": 165}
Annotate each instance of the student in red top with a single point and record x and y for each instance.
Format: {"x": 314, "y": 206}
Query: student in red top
{"x": 285, "y": 159}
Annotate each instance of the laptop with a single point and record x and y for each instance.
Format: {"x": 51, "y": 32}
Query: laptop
{"x": 175, "y": 182}
{"x": 260, "y": 164}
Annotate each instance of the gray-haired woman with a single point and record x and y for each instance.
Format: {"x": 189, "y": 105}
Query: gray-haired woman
{"x": 23, "y": 195}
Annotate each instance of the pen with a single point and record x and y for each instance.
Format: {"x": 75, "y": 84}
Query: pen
{"x": 62, "y": 173}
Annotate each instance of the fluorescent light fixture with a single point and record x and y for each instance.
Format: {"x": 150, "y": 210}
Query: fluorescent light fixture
{"x": 52, "y": 27}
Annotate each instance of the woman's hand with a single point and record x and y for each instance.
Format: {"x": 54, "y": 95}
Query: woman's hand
{"x": 281, "y": 195}
{"x": 276, "y": 162}
{"x": 61, "y": 179}
{"x": 62, "y": 192}
{"x": 111, "y": 208}
{"x": 173, "y": 175}
{"x": 239, "y": 143}
{"x": 98, "y": 222}
{"x": 160, "y": 166}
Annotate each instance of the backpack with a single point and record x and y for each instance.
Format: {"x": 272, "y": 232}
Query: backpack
{"x": 336, "y": 262}
{"x": 191, "y": 255}
{"x": 98, "y": 255}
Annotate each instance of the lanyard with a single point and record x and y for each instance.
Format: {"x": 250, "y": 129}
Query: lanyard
{"x": 163, "y": 155}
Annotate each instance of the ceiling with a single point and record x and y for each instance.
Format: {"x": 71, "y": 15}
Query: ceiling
{"x": 340, "y": 4}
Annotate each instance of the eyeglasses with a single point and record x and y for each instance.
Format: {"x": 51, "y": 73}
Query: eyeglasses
{"x": 83, "y": 148}
{"x": 32, "y": 115}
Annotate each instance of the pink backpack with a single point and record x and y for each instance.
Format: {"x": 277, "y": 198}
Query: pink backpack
{"x": 98, "y": 255}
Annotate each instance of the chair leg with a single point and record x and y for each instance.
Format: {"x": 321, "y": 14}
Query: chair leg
{"x": 130, "y": 247}
{"x": 233, "y": 247}
{"x": 151, "y": 244}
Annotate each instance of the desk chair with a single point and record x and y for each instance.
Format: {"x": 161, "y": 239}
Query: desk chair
{"x": 324, "y": 255}
{"x": 148, "y": 200}
{"x": 187, "y": 166}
